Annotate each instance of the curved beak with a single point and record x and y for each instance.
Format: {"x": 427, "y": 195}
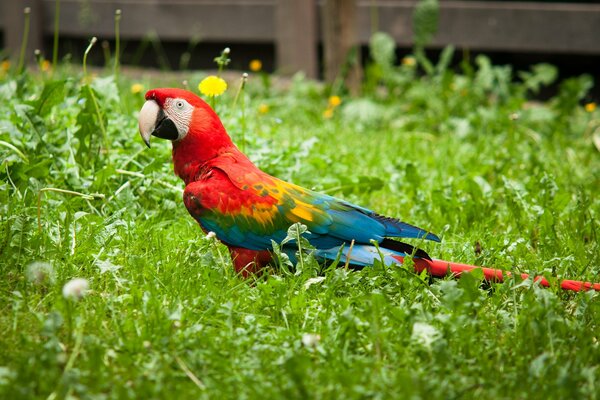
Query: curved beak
{"x": 153, "y": 122}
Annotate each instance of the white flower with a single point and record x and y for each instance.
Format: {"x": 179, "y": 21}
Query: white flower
{"x": 75, "y": 289}
{"x": 211, "y": 235}
{"x": 39, "y": 272}
{"x": 311, "y": 339}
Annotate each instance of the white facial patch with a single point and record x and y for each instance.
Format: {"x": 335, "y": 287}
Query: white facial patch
{"x": 180, "y": 112}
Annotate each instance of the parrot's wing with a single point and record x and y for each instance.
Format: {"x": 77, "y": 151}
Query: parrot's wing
{"x": 252, "y": 211}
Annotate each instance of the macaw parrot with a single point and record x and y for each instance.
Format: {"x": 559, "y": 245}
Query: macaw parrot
{"x": 247, "y": 208}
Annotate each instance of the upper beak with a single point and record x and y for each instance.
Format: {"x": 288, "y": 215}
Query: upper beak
{"x": 153, "y": 122}
{"x": 147, "y": 120}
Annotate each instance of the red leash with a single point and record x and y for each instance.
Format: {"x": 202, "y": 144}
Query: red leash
{"x": 441, "y": 268}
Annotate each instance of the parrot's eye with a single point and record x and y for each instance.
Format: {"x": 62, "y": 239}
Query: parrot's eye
{"x": 179, "y": 104}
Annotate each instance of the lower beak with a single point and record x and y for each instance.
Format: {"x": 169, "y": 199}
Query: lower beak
{"x": 153, "y": 122}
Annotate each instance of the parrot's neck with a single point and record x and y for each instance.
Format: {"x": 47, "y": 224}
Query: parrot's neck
{"x": 193, "y": 154}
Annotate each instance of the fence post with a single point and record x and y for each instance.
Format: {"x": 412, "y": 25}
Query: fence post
{"x": 296, "y": 37}
{"x": 13, "y": 15}
{"x": 340, "y": 42}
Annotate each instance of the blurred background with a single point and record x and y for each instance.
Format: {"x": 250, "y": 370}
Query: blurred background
{"x": 320, "y": 38}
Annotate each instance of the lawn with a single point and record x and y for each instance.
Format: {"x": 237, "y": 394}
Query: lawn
{"x": 505, "y": 181}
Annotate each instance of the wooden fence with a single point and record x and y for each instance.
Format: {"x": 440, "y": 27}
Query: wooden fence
{"x": 293, "y": 25}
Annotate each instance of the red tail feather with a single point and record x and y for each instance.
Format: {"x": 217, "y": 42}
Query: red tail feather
{"x": 441, "y": 268}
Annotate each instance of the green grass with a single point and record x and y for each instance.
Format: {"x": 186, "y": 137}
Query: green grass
{"x": 505, "y": 182}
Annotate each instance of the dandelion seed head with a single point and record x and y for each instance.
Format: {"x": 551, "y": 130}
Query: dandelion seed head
{"x": 311, "y": 339}
{"x": 39, "y": 272}
{"x": 75, "y": 289}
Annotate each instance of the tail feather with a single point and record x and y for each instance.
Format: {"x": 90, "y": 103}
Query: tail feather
{"x": 397, "y": 228}
{"x": 404, "y": 248}
{"x": 394, "y": 227}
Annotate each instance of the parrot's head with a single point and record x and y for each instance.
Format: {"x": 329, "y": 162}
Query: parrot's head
{"x": 188, "y": 122}
{"x": 167, "y": 114}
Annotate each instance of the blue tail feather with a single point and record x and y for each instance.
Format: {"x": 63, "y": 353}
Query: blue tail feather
{"x": 396, "y": 228}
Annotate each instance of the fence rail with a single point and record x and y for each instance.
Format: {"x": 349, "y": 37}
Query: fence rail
{"x": 293, "y": 25}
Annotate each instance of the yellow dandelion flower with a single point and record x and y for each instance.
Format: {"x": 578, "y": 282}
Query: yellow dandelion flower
{"x": 328, "y": 113}
{"x": 409, "y": 61}
{"x": 212, "y": 86}
{"x": 255, "y": 65}
{"x": 590, "y": 107}
{"x": 45, "y": 65}
{"x": 137, "y": 88}
{"x": 334, "y": 101}
{"x": 5, "y": 65}
{"x": 263, "y": 108}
